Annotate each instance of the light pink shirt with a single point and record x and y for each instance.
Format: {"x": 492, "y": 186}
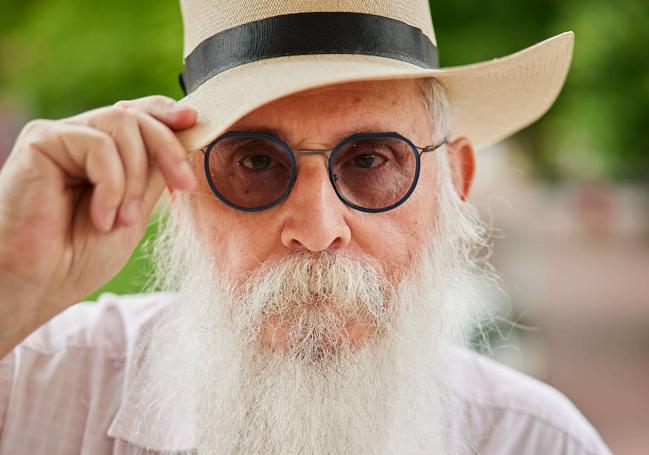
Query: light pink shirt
{"x": 63, "y": 389}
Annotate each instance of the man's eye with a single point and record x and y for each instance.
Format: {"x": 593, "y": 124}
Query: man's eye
{"x": 257, "y": 162}
{"x": 368, "y": 161}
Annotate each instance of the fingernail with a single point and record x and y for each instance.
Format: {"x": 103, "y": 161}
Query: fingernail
{"x": 180, "y": 105}
{"x": 170, "y": 109}
{"x": 173, "y": 107}
{"x": 109, "y": 218}
{"x": 131, "y": 211}
{"x": 184, "y": 111}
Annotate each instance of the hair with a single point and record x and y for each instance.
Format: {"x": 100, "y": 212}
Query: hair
{"x": 476, "y": 234}
{"x": 433, "y": 95}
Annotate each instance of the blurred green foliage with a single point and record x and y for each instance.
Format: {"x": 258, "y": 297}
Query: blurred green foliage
{"x": 599, "y": 126}
{"x": 61, "y": 57}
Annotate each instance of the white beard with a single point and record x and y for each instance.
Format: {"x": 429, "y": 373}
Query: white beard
{"x": 317, "y": 397}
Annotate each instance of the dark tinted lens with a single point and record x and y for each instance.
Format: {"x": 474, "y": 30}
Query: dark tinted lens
{"x": 375, "y": 173}
{"x": 249, "y": 172}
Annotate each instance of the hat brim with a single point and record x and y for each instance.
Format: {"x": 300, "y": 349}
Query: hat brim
{"x": 489, "y": 100}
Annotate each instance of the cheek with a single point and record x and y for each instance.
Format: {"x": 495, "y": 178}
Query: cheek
{"x": 398, "y": 236}
{"x": 236, "y": 244}
{"x": 395, "y": 238}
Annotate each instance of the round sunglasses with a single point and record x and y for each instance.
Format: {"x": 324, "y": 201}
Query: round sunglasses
{"x": 370, "y": 172}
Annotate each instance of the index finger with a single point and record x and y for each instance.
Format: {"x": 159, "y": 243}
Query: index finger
{"x": 163, "y": 108}
{"x": 165, "y": 148}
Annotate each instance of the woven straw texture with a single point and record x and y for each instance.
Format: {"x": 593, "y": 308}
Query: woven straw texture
{"x": 204, "y": 18}
{"x": 489, "y": 100}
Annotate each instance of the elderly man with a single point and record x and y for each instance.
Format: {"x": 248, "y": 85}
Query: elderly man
{"x": 316, "y": 275}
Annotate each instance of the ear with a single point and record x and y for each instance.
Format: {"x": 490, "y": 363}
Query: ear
{"x": 461, "y": 158}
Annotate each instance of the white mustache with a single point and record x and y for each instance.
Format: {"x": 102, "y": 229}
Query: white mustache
{"x": 313, "y": 296}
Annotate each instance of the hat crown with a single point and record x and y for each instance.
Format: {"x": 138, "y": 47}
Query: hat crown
{"x": 204, "y": 18}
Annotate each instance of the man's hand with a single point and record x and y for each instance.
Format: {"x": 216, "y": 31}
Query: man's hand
{"x": 75, "y": 197}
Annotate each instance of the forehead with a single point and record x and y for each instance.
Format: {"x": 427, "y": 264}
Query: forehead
{"x": 391, "y": 105}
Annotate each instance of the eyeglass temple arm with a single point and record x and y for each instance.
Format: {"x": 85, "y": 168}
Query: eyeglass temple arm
{"x": 432, "y": 148}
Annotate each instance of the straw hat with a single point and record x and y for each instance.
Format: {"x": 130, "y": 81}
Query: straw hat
{"x": 241, "y": 54}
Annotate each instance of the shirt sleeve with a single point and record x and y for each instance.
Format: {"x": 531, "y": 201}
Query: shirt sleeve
{"x": 62, "y": 385}
{"x": 515, "y": 432}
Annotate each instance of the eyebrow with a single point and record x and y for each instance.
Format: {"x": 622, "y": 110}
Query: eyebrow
{"x": 262, "y": 129}
{"x": 280, "y": 133}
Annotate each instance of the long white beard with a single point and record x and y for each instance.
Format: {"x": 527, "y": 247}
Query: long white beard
{"x": 320, "y": 395}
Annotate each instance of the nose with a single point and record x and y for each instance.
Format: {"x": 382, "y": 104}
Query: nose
{"x": 314, "y": 216}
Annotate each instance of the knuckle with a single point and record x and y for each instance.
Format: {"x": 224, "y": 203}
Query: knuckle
{"x": 35, "y": 132}
{"x": 35, "y": 127}
{"x": 138, "y": 112}
{"x": 133, "y": 191}
{"x": 99, "y": 137}
{"x": 123, "y": 104}
{"x": 119, "y": 115}
{"x": 147, "y": 102}
{"x": 117, "y": 120}
{"x": 161, "y": 100}
{"x": 99, "y": 142}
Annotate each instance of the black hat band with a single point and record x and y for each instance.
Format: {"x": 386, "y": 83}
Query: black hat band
{"x": 307, "y": 34}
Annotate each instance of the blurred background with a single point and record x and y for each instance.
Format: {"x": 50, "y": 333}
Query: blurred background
{"x": 568, "y": 196}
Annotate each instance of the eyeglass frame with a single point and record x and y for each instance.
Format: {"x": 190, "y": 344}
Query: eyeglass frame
{"x": 417, "y": 151}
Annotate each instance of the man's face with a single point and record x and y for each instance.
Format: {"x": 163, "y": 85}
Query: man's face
{"x": 312, "y": 327}
{"x": 313, "y": 219}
